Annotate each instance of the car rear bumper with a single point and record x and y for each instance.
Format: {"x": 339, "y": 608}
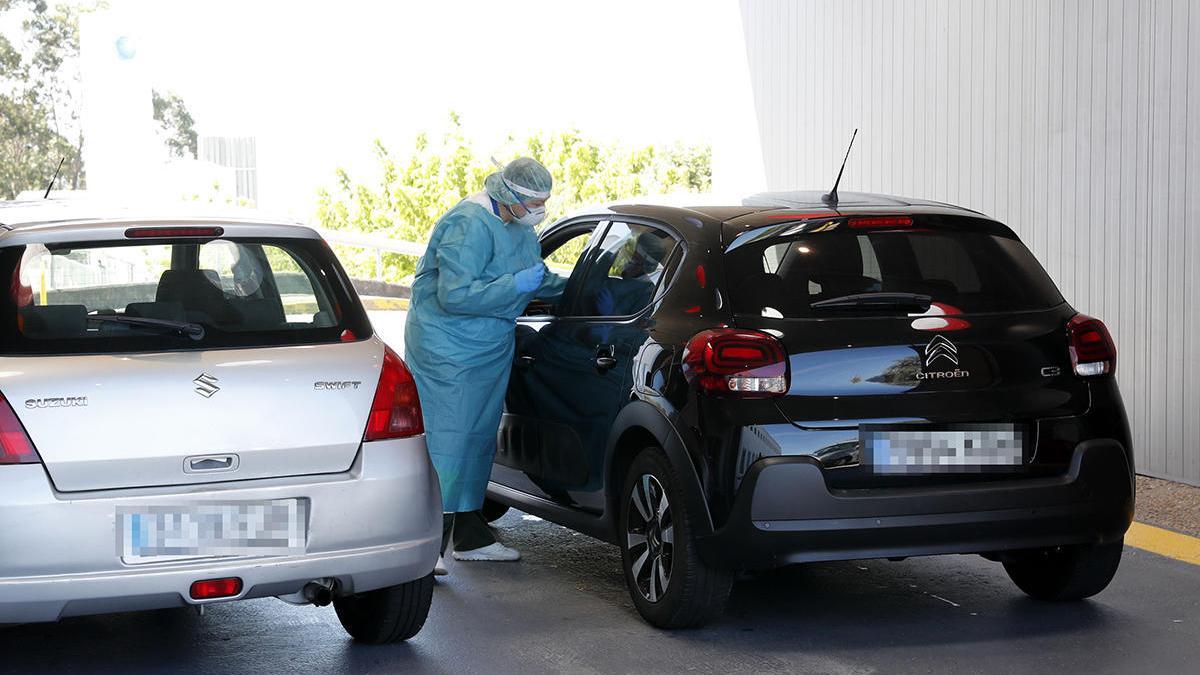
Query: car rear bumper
{"x": 376, "y": 525}
{"x": 785, "y": 513}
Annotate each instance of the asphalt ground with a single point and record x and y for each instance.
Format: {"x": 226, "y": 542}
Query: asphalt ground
{"x": 564, "y": 609}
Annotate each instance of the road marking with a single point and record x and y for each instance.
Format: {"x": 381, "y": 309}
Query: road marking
{"x": 948, "y": 602}
{"x": 1164, "y": 542}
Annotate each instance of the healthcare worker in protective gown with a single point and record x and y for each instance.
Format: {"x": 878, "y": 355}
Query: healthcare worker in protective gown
{"x": 482, "y": 267}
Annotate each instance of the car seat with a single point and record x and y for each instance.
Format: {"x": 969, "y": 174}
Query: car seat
{"x": 54, "y": 322}
{"x": 836, "y": 268}
{"x": 200, "y": 294}
{"x": 260, "y": 313}
{"x": 166, "y": 311}
{"x": 764, "y": 290}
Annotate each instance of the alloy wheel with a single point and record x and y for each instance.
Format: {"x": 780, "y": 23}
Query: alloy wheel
{"x": 650, "y": 537}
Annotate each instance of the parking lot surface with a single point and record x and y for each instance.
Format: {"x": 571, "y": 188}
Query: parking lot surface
{"x": 564, "y": 609}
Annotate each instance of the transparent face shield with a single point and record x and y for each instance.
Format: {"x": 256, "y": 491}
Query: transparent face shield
{"x": 643, "y": 260}
{"x": 246, "y": 271}
{"x": 533, "y": 215}
{"x": 248, "y": 275}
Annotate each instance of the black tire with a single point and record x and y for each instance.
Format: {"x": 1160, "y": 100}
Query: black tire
{"x": 695, "y": 593}
{"x": 1064, "y": 573}
{"x": 493, "y": 511}
{"x": 387, "y": 615}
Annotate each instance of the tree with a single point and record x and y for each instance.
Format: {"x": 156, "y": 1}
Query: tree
{"x": 39, "y": 108}
{"x": 176, "y": 125}
{"x": 902, "y": 372}
{"x": 30, "y": 150}
{"x": 412, "y": 192}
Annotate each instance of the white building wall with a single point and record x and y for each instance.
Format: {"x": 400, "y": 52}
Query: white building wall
{"x": 240, "y": 154}
{"x": 1076, "y": 122}
{"x": 119, "y": 147}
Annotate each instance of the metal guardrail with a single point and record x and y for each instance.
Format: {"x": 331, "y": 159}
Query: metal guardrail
{"x": 376, "y": 242}
{"x": 380, "y": 243}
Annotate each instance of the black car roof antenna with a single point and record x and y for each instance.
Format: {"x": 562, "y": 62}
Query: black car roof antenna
{"x": 831, "y": 199}
{"x": 51, "y": 185}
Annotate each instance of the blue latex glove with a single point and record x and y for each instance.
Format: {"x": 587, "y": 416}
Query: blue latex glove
{"x": 528, "y": 280}
{"x": 605, "y": 304}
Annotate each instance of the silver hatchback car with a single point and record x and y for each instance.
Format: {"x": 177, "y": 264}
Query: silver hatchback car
{"x": 196, "y": 410}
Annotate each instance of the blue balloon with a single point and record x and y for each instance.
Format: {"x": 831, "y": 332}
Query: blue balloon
{"x": 126, "y": 48}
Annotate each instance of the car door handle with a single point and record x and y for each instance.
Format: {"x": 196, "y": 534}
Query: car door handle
{"x": 210, "y": 463}
{"x": 605, "y": 363}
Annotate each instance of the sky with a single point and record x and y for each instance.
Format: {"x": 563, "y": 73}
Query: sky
{"x": 316, "y": 82}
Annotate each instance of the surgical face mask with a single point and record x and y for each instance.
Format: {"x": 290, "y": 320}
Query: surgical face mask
{"x": 533, "y": 216}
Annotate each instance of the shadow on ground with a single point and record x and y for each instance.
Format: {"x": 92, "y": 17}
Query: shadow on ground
{"x": 564, "y": 608}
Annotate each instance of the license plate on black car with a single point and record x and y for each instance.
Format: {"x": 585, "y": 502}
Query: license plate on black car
{"x": 968, "y": 448}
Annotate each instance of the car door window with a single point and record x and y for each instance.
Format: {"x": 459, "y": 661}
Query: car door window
{"x": 566, "y": 254}
{"x": 628, "y": 264}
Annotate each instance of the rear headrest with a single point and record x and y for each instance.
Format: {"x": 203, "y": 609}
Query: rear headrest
{"x": 836, "y": 284}
{"x": 763, "y": 290}
{"x": 167, "y": 311}
{"x": 197, "y": 291}
{"x": 54, "y": 321}
{"x": 259, "y": 313}
{"x": 174, "y": 283}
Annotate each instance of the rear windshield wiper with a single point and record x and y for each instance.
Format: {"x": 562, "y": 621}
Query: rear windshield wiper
{"x": 180, "y": 328}
{"x": 898, "y": 300}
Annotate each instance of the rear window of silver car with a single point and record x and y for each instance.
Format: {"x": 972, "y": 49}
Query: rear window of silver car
{"x": 101, "y": 297}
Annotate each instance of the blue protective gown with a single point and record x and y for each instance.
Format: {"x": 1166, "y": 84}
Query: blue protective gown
{"x": 459, "y": 339}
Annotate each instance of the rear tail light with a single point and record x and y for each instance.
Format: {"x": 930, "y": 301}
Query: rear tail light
{"x": 173, "y": 232}
{"x": 1092, "y": 349}
{"x": 802, "y": 216}
{"x": 210, "y": 589}
{"x": 870, "y": 222}
{"x": 396, "y": 410}
{"x": 15, "y": 445}
{"x": 732, "y": 362}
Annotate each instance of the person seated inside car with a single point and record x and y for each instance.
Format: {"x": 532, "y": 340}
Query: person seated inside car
{"x": 629, "y": 283}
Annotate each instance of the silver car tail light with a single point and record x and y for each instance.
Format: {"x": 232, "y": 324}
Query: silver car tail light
{"x": 15, "y": 445}
{"x": 396, "y": 410}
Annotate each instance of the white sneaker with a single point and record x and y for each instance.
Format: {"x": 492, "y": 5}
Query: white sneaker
{"x": 439, "y": 570}
{"x": 495, "y": 552}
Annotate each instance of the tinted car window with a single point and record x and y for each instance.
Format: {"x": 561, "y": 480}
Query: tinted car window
{"x": 78, "y": 299}
{"x": 628, "y": 264}
{"x": 566, "y": 256}
{"x": 969, "y": 271}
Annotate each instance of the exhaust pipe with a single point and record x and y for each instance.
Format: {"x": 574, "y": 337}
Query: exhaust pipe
{"x": 319, "y": 592}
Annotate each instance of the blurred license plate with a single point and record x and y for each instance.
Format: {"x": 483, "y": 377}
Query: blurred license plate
{"x": 209, "y": 529}
{"x": 971, "y": 448}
